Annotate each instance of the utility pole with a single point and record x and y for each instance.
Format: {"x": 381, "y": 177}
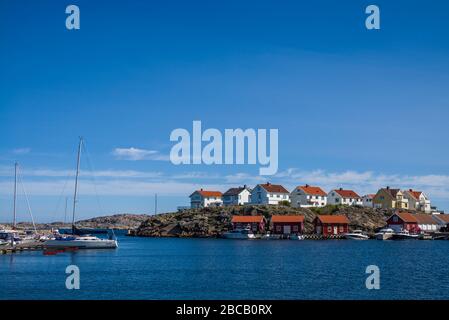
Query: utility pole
{"x": 155, "y": 203}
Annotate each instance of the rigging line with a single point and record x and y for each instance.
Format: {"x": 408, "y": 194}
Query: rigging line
{"x": 28, "y": 202}
{"x": 70, "y": 175}
{"x": 91, "y": 167}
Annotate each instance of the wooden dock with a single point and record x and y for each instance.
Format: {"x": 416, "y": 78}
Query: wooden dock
{"x": 31, "y": 246}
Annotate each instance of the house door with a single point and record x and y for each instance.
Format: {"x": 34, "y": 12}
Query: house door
{"x": 287, "y": 229}
{"x": 335, "y": 230}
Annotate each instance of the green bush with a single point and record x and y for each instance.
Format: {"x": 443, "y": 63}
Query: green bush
{"x": 284, "y": 203}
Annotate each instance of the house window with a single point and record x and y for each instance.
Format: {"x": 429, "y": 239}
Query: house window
{"x": 295, "y": 229}
{"x": 337, "y": 199}
{"x": 395, "y": 219}
{"x": 278, "y": 228}
{"x": 329, "y": 229}
{"x": 342, "y": 229}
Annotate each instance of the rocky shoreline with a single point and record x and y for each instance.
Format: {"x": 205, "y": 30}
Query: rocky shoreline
{"x": 117, "y": 221}
{"x": 212, "y": 222}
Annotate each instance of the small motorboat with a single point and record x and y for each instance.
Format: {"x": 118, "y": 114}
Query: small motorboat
{"x": 356, "y": 235}
{"x": 239, "y": 234}
{"x": 404, "y": 235}
{"x": 295, "y": 236}
{"x": 384, "y": 234}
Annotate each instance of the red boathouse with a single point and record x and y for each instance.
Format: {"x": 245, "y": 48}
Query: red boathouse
{"x": 255, "y": 223}
{"x": 331, "y": 224}
{"x": 403, "y": 221}
{"x": 287, "y": 224}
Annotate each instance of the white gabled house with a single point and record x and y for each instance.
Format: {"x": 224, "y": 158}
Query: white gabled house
{"x": 236, "y": 196}
{"x": 203, "y": 198}
{"x": 417, "y": 200}
{"x": 269, "y": 194}
{"x": 367, "y": 200}
{"x": 308, "y": 196}
{"x": 345, "y": 197}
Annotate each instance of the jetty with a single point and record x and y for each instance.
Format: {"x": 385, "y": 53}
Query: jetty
{"x": 28, "y": 246}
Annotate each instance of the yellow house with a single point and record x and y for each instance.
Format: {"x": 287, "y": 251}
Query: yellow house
{"x": 387, "y": 198}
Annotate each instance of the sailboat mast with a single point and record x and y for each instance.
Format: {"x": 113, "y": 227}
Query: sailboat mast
{"x": 16, "y": 165}
{"x": 76, "y": 181}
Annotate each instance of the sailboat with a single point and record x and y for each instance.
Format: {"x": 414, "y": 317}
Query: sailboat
{"x": 77, "y": 239}
{"x": 13, "y": 236}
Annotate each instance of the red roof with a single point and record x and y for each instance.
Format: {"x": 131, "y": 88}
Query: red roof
{"x": 407, "y": 217}
{"x": 347, "y": 193}
{"x": 276, "y": 188}
{"x": 443, "y": 217}
{"x": 246, "y": 219}
{"x": 278, "y": 218}
{"x": 371, "y": 196}
{"x": 415, "y": 194}
{"x": 206, "y": 193}
{"x": 316, "y": 191}
{"x": 333, "y": 218}
{"x": 425, "y": 218}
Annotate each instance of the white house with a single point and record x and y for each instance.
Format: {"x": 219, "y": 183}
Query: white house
{"x": 269, "y": 194}
{"x": 417, "y": 200}
{"x": 346, "y": 197}
{"x": 203, "y": 198}
{"x": 367, "y": 200}
{"x": 236, "y": 196}
{"x": 308, "y": 196}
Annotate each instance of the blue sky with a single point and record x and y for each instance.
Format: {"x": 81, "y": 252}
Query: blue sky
{"x": 355, "y": 108}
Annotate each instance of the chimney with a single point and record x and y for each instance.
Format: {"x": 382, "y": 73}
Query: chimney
{"x": 341, "y": 189}
{"x": 268, "y": 183}
{"x": 388, "y": 187}
{"x": 410, "y": 190}
{"x": 244, "y": 186}
{"x": 201, "y": 189}
{"x": 307, "y": 185}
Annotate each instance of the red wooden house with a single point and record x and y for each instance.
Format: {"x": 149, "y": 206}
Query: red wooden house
{"x": 255, "y": 223}
{"x": 403, "y": 221}
{"x": 331, "y": 224}
{"x": 287, "y": 224}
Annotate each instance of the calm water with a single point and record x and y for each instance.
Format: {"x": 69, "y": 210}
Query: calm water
{"x": 152, "y": 268}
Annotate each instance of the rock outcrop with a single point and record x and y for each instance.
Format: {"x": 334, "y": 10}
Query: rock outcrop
{"x": 211, "y": 222}
{"x": 117, "y": 221}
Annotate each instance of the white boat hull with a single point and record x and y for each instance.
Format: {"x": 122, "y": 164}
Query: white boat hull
{"x": 82, "y": 244}
{"x": 384, "y": 236}
{"x": 356, "y": 237}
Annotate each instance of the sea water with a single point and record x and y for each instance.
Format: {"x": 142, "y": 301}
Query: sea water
{"x": 169, "y": 268}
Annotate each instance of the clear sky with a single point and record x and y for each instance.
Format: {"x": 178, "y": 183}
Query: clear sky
{"x": 355, "y": 108}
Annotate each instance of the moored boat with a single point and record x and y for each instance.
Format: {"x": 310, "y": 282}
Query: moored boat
{"x": 404, "y": 235}
{"x": 81, "y": 242}
{"x": 295, "y": 236}
{"x": 77, "y": 239}
{"x": 356, "y": 235}
{"x": 384, "y": 234}
{"x": 239, "y": 234}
